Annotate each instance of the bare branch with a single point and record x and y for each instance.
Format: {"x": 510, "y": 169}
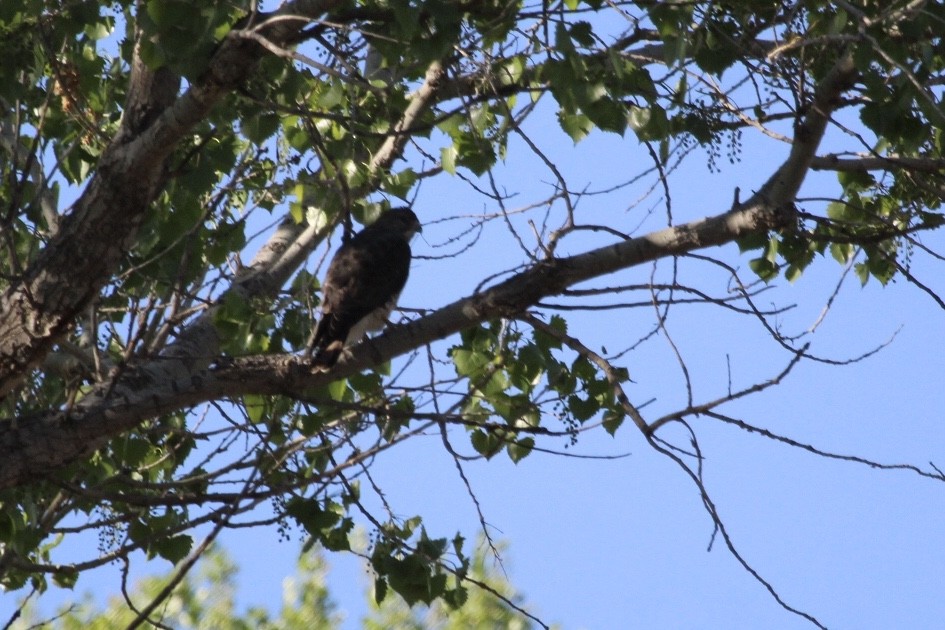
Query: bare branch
{"x": 866, "y": 163}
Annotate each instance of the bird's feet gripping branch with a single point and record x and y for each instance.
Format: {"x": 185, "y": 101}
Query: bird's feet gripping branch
{"x": 362, "y": 285}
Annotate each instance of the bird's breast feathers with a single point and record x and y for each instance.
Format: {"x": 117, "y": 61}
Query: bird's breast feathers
{"x": 372, "y": 322}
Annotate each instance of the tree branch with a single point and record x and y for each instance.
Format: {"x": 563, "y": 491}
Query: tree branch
{"x": 865, "y": 163}
{"x": 32, "y": 447}
{"x": 38, "y": 308}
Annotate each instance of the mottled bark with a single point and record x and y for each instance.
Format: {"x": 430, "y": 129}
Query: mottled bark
{"x": 39, "y": 307}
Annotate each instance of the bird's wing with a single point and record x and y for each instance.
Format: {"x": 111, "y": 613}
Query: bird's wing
{"x": 365, "y": 275}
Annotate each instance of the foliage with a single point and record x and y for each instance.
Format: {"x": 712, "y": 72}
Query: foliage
{"x": 205, "y": 599}
{"x": 497, "y": 607}
{"x": 167, "y": 168}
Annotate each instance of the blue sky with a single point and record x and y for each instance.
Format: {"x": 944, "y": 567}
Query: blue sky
{"x": 623, "y": 542}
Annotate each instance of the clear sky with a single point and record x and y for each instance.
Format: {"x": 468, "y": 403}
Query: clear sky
{"x": 616, "y": 543}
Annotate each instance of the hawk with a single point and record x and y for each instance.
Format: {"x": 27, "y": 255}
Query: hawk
{"x": 362, "y": 285}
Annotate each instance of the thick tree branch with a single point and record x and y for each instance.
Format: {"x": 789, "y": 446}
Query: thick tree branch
{"x": 783, "y": 186}
{"x": 866, "y": 163}
{"x": 31, "y": 447}
{"x": 39, "y": 308}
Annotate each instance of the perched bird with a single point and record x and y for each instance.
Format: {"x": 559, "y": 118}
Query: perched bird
{"x": 362, "y": 285}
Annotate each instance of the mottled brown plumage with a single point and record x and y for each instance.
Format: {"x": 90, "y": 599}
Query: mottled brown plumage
{"x": 362, "y": 284}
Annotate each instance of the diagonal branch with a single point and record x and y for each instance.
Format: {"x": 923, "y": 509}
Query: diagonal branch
{"x": 32, "y": 447}
{"x": 38, "y": 308}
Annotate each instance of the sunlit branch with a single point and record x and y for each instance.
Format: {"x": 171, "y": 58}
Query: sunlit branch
{"x": 867, "y": 163}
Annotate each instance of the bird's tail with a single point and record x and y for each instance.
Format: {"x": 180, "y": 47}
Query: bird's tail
{"x": 325, "y": 357}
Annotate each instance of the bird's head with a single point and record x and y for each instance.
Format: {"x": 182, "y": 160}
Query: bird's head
{"x": 401, "y": 220}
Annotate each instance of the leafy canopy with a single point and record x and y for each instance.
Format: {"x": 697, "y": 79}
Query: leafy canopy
{"x": 167, "y": 169}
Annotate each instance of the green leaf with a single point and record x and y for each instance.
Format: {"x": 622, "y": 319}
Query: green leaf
{"x": 97, "y": 31}
{"x": 311, "y": 516}
{"x": 430, "y": 548}
{"x": 607, "y": 114}
{"x": 131, "y": 450}
{"x": 583, "y": 369}
{"x": 578, "y": 126}
{"x": 486, "y": 444}
{"x": 257, "y": 407}
{"x": 65, "y": 577}
{"x": 452, "y": 126}
{"x": 333, "y": 96}
{"x": 525, "y": 373}
{"x": 838, "y": 210}
{"x": 546, "y": 341}
{"x": 793, "y": 272}
{"x": 582, "y": 408}
{"x": 412, "y": 580}
{"x": 456, "y": 597}
{"x": 639, "y": 118}
{"x": 380, "y": 589}
{"x": 857, "y": 180}
{"x": 842, "y": 252}
{"x": 448, "y": 157}
{"x": 140, "y": 532}
{"x": 649, "y": 123}
{"x": 583, "y": 33}
{"x": 399, "y": 184}
{"x": 563, "y": 42}
{"x": 475, "y": 153}
{"x": 510, "y": 73}
{"x": 520, "y": 449}
{"x": 880, "y": 265}
{"x": 612, "y": 420}
{"x": 763, "y": 268}
{"x": 174, "y": 548}
{"x": 469, "y": 362}
{"x": 862, "y": 272}
{"x": 260, "y": 128}
{"x": 338, "y": 538}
